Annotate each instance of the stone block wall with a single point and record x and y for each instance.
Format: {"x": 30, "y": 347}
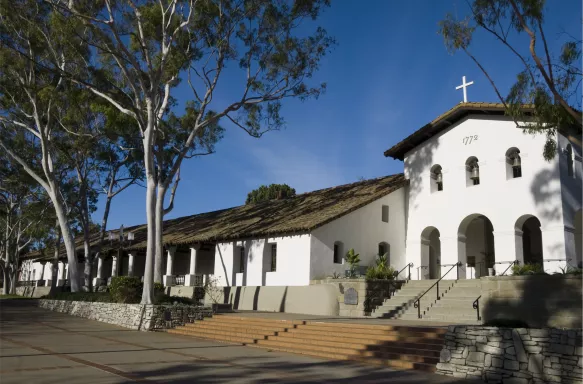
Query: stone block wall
{"x": 134, "y": 316}
{"x": 513, "y": 355}
{"x": 371, "y": 293}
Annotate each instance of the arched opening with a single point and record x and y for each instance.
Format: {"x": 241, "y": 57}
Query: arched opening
{"x": 430, "y": 254}
{"x": 472, "y": 171}
{"x": 529, "y": 240}
{"x": 569, "y": 156}
{"x": 385, "y": 250}
{"x": 578, "y": 229}
{"x": 338, "y": 252}
{"x": 476, "y": 247}
{"x": 513, "y": 164}
{"x": 436, "y": 178}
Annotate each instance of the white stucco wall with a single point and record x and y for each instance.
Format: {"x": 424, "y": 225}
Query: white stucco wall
{"x": 362, "y": 230}
{"x": 293, "y": 261}
{"x": 503, "y": 201}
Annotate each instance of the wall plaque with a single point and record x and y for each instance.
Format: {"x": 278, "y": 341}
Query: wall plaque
{"x": 351, "y": 296}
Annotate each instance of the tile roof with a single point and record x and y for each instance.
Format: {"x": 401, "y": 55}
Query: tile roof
{"x": 300, "y": 214}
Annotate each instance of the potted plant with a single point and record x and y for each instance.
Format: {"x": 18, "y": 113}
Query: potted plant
{"x": 352, "y": 258}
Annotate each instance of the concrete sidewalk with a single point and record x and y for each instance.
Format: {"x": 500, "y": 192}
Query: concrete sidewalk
{"x": 39, "y": 346}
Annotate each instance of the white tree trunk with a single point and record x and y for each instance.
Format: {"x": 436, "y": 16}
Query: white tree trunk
{"x": 68, "y": 241}
{"x": 148, "y": 292}
{"x": 159, "y": 230}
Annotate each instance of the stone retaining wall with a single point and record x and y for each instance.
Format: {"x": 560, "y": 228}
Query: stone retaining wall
{"x": 370, "y": 293}
{"x": 134, "y": 316}
{"x": 513, "y": 355}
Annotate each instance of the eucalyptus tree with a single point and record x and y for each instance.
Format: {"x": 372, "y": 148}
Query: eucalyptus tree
{"x": 144, "y": 50}
{"x": 549, "y": 80}
{"x": 31, "y": 85}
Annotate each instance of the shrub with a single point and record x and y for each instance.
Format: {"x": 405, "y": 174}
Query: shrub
{"x": 96, "y": 297}
{"x": 527, "y": 269}
{"x": 381, "y": 270}
{"x": 570, "y": 270}
{"x": 353, "y": 259}
{"x": 165, "y": 299}
{"x": 126, "y": 289}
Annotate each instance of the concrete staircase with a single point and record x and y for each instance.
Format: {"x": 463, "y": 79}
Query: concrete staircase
{"x": 400, "y": 306}
{"x": 393, "y": 346}
{"x": 456, "y": 306}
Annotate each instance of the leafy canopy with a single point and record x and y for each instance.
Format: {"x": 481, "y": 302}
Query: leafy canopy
{"x": 271, "y": 192}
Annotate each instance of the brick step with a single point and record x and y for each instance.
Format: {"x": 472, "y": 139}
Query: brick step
{"x": 238, "y": 327}
{"x": 341, "y": 343}
{"x": 230, "y": 339}
{"x": 353, "y": 327}
{"x": 225, "y": 332}
{"x": 384, "y": 335}
{"x": 393, "y": 363}
{"x": 250, "y": 320}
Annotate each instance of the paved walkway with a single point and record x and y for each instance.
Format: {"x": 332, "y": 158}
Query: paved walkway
{"x": 39, "y": 346}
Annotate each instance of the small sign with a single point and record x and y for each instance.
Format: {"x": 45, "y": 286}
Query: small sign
{"x": 351, "y": 296}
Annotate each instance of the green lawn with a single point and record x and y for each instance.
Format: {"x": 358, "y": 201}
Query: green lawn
{"x": 12, "y": 297}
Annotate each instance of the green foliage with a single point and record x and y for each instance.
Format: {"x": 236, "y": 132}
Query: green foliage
{"x": 271, "y": 192}
{"x": 570, "y": 270}
{"x": 381, "y": 270}
{"x": 353, "y": 259}
{"x": 165, "y": 299}
{"x": 336, "y": 275}
{"x": 126, "y": 289}
{"x": 548, "y": 82}
{"x": 97, "y": 297}
{"x": 528, "y": 269}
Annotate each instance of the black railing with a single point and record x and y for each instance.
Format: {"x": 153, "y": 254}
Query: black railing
{"x": 515, "y": 262}
{"x": 417, "y": 303}
{"x": 409, "y": 272}
{"x": 179, "y": 279}
{"x": 476, "y": 306}
{"x": 198, "y": 282}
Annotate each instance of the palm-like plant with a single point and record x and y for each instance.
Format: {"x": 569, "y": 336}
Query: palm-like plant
{"x": 353, "y": 259}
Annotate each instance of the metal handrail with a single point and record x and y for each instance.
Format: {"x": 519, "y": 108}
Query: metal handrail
{"x": 422, "y": 267}
{"x": 417, "y": 303}
{"x": 515, "y": 262}
{"x": 476, "y": 306}
{"x": 406, "y": 266}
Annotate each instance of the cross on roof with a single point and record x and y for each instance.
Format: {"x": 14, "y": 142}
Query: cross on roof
{"x": 464, "y": 86}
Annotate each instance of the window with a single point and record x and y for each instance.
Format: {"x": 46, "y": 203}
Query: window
{"x": 242, "y": 259}
{"x": 436, "y": 178}
{"x": 273, "y": 257}
{"x": 569, "y": 155}
{"x": 338, "y": 251}
{"x": 513, "y": 164}
{"x": 383, "y": 248}
{"x": 472, "y": 172}
{"x": 385, "y": 214}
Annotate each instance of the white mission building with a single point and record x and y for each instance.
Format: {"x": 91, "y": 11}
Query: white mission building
{"x": 475, "y": 189}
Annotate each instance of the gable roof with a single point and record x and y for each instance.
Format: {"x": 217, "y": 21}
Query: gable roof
{"x": 300, "y": 214}
{"x": 445, "y": 121}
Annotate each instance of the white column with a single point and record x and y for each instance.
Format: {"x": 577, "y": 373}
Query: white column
{"x": 169, "y": 278}
{"x": 62, "y": 271}
{"x": 41, "y": 282}
{"x": 554, "y": 248}
{"x": 506, "y": 249}
{"x": 114, "y": 266}
{"x": 131, "y": 264}
{"x": 98, "y": 280}
{"x": 189, "y": 280}
{"x": 453, "y": 249}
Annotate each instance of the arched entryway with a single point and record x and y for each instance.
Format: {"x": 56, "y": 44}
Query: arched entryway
{"x": 475, "y": 246}
{"x": 529, "y": 240}
{"x": 430, "y": 254}
{"x": 578, "y": 229}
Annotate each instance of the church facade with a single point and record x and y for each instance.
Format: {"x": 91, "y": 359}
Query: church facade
{"x": 475, "y": 196}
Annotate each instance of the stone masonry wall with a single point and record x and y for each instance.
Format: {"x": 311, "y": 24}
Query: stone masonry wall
{"x": 133, "y": 316}
{"x": 513, "y": 355}
{"x": 371, "y": 293}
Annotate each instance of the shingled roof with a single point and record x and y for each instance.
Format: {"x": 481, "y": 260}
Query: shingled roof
{"x": 443, "y": 122}
{"x": 300, "y": 214}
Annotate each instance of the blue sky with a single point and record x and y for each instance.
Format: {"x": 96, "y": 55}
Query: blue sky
{"x": 389, "y": 74}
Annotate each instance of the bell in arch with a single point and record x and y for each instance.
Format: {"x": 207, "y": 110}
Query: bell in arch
{"x": 516, "y": 161}
{"x": 475, "y": 172}
{"x": 439, "y": 178}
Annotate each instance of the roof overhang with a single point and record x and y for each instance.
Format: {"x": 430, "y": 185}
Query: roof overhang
{"x": 445, "y": 121}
